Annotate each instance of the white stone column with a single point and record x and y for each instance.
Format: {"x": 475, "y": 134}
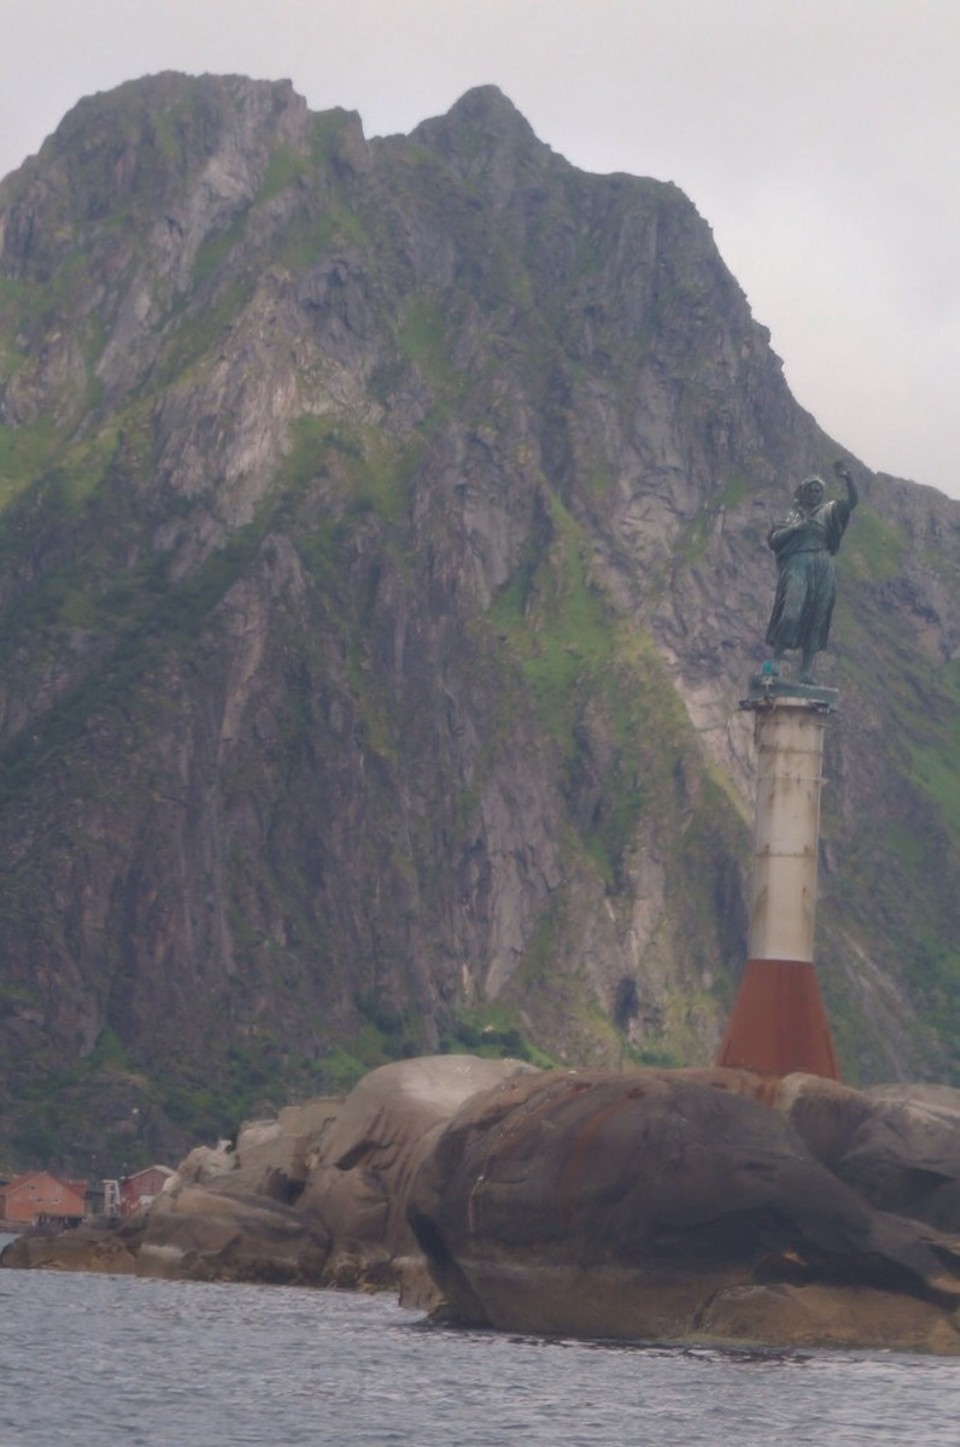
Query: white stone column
{"x": 789, "y": 741}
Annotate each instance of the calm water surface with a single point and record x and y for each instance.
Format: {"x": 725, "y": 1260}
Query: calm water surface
{"x": 92, "y": 1360}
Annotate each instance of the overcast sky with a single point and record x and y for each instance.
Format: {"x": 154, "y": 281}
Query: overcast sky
{"x": 820, "y": 139}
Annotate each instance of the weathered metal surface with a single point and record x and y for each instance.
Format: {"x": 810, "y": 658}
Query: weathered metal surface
{"x": 778, "y": 1024}
{"x": 766, "y": 687}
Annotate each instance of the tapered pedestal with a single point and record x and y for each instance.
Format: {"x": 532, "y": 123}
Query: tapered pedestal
{"x": 778, "y": 1023}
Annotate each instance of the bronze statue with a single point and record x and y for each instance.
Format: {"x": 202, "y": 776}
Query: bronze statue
{"x": 804, "y": 544}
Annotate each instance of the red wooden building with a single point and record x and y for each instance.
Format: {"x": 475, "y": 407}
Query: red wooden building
{"x": 138, "y": 1191}
{"x": 38, "y": 1196}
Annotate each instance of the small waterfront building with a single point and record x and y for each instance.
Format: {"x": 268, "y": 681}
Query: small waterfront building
{"x": 37, "y": 1196}
{"x": 139, "y": 1191}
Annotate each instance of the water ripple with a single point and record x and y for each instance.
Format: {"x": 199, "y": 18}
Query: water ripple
{"x": 85, "y": 1359}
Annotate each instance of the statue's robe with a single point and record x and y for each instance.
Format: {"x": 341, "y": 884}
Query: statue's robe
{"x": 804, "y": 545}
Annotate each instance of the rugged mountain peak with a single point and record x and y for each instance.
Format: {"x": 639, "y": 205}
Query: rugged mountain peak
{"x": 484, "y": 138}
{"x": 120, "y": 214}
{"x": 382, "y": 540}
{"x": 123, "y": 155}
{"x": 485, "y": 110}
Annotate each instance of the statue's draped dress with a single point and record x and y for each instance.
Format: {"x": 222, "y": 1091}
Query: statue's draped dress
{"x": 806, "y": 582}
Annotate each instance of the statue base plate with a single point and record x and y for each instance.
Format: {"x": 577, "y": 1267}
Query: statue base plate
{"x": 766, "y": 689}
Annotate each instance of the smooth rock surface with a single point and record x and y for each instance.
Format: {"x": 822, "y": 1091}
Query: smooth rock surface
{"x": 623, "y": 1205}
{"x": 836, "y": 1316}
{"x": 898, "y": 1146}
{"x": 357, "y": 1190}
{"x": 205, "y": 1234}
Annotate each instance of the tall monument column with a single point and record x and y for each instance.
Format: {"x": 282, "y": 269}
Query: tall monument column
{"x": 778, "y": 1023}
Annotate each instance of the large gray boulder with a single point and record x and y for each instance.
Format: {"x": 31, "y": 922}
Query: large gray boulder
{"x": 270, "y": 1158}
{"x": 897, "y": 1146}
{"x": 634, "y": 1205}
{"x": 357, "y": 1190}
{"x": 194, "y": 1232}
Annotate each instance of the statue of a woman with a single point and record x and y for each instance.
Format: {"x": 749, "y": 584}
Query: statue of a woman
{"x": 804, "y": 544}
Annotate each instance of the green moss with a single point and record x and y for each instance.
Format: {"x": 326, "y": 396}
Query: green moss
{"x": 737, "y": 488}
{"x": 369, "y": 472}
{"x": 925, "y": 700}
{"x": 555, "y": 622}
{"x": 492, "y": 1032}
{"x": 424, "y": 341}
{"x": 698, "y": 532}
{"x": 539, "y": 958}
{"x": 598, "y": 688}
{"x": 109, "y": 1052}
{"x": 326, "y": 130}
{"x": 215, "y": 248}
{"x": 24, "y": 453}
{"x": 154, "y": 618}
{"x": 284, "y": 167}
{"x": 873, "y": 549}
{"x": 312, "y": 437}
{"x": 310, "y": 236}
{"x": 900, "y": 862}
{"x": 198, "y": 332}
{"x": 936, "y": 769}
{"x": 340, "y": 1070}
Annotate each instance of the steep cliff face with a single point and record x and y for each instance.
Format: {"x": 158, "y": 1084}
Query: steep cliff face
{"x": 382, "y": 560}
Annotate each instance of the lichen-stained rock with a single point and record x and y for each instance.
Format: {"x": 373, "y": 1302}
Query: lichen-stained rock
{"x": 836, "y": 1316}
{"x": 206, "y": 1235}
{"x": 623, "y": 1205}
{"x": 270, "y": 1158}
{"x": 89, "y": 1248}
{"x": 357, "y": 1190}
{"x": 205, "y": 1164}
{"x": 898, "y": 1146}
{"x": 189, "y": 1233}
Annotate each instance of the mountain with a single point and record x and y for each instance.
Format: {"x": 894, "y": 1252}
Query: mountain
{"x": 382, "y": 558}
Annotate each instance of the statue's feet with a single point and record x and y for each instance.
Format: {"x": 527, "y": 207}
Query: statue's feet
{"x": 771, "y": 667}
{"x": 806, "y": 677}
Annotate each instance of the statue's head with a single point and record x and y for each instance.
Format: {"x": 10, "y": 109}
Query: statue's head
{"x": 810, "y": 493}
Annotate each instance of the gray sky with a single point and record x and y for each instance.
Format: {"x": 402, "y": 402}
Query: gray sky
{"x": 820, "y": 139}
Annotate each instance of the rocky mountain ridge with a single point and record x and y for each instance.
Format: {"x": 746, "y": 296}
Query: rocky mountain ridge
{"x": 383, "y": 559}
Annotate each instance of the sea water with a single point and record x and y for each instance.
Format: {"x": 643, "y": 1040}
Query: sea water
{"x": 91, "y": 1360}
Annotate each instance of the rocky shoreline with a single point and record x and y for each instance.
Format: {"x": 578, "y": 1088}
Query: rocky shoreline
{"x": 683, "y": 1205}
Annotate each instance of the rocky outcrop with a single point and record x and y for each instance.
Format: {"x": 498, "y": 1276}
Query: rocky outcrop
{"x": 360, "y": 1182}
{"x": 668, "y": 1205}
{"x": 269, "y": 1157}
{"x": 653, "y": 1206}
{"x": 852, "y": 1317}
{"x": 189, "y": 1233}
{"x": 316, "y": 1197}
{"x": 897, "y": 1146}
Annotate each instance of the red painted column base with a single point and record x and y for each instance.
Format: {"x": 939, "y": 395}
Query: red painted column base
{"x": 778, "y": 1023}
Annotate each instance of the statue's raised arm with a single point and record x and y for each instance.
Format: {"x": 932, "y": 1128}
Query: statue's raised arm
{"x": 853, "y": 497}
{"x": 804, "y": 543}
